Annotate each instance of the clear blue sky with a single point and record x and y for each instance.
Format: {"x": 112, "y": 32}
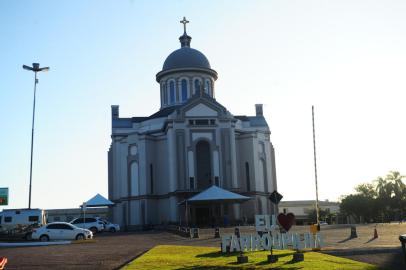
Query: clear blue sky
{"x": 345, "y": 57}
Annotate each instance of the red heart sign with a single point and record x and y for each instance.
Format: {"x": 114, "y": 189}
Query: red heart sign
{"x": 286, "y": 221}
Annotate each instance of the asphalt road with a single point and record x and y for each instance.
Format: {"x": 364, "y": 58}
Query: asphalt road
{"x": 111, "y": 251}
{"x": 390, "y": 258}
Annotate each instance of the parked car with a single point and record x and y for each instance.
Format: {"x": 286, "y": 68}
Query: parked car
{"x": 60, "y": 231}
{"x": 110, "y": 227}
{"x": 92, "y": 224}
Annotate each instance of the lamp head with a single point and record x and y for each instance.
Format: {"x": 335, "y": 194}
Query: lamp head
{"x": 27, "y": 67}
{"x": 35, "y": 67}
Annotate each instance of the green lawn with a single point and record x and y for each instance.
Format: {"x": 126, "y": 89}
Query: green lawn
{"x": 193, "y": 258}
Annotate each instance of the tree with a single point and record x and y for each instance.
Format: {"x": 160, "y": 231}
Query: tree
{"x": 367, "y": 190}
{"x": 398, "y": 194}
{"x": 384, "y": 199}
{"x": 397, "y": 186}
{"x": 391, "y": 193}
{"x": 359, "y": 206}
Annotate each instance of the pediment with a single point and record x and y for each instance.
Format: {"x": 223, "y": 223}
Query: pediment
{"x": 200, "y": 110}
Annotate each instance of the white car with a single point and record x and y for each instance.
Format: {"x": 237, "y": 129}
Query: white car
{"x": 60, "y": 231}
{"x": 92, "y": 224}
{"x": 110, "y": 227}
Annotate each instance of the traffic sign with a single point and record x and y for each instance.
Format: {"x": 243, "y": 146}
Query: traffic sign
{"x": 275, "y": 197}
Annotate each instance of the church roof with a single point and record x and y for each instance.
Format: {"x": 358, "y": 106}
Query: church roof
{"x": 164, "y": 112}
{"x": 255, "y": 121}
{"x": 122, "y": 122}
{"x": 127, "y": 122}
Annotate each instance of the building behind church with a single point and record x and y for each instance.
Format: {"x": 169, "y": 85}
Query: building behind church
{"x": 191, "y": 143}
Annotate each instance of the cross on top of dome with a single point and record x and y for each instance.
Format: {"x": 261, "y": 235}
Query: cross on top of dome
{"x": 185, "y": 39}
{"x": 184, "y": 22}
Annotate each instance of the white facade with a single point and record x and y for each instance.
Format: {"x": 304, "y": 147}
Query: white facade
{"x": 191, "y": 143}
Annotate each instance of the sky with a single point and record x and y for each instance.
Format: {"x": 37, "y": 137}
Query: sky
{"x": 347, "y": 58}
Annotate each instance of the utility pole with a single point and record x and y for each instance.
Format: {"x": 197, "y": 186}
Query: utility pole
{"x": 315, "y": 169}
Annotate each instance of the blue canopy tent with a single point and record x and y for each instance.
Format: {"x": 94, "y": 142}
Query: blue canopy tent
{"x": 213, "y": 194}
{"x": 98, "y": 201}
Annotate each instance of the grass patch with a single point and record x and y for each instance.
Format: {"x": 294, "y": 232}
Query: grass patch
{"x": 193, "y": 258}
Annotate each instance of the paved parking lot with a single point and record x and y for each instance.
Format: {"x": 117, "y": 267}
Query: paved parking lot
{"x": 111, "y": 251}
{"x": 108, "y": 251}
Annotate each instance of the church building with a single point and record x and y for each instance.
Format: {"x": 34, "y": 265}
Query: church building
{"x": 191, "y": 143}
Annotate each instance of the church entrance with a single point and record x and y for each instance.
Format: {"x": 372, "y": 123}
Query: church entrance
{"x": 203, "y": 164}
{"x": 207, "y": 215}
{"x": 202, "y": 216}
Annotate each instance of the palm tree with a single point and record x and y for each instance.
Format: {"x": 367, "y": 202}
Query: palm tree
{"x": 381, "y": 187}
{"x": 396, "y": 183}
{"x": 398, "y": 192}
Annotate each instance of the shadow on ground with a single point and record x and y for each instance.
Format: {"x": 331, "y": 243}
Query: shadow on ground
{"x": 345, "y": 240}
{"x": 235, "y": 265}
{"x": 216, "y": 254}
{"x": 387, "y": 258}
{"x": 370, "y": 240}
{"x": 228, "y": 268}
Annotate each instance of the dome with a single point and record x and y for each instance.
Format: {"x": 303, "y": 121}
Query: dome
{"x": 186, "y": 57}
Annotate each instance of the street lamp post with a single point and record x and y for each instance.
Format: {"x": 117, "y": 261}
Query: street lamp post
{"x": 315, "y": 172}
{"x": 35, "y": 68}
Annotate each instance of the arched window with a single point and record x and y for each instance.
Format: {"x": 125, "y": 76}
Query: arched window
{"x": 207, "y": 87}
{"x": 184, "y": 90}
{"x": 151, "y": 176}
{"x": 203, "y": 162}
{"x": 262, "y": 176}
{"x": 134, "y": 179}
{"x": 262, "y": 147}
{"x": 264, "y": 184}
{"x": 197, "y": 86}
{"x": 165, "y": 93}
{"x": 247, "y": 176}
{"x": 172, "y": 92}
